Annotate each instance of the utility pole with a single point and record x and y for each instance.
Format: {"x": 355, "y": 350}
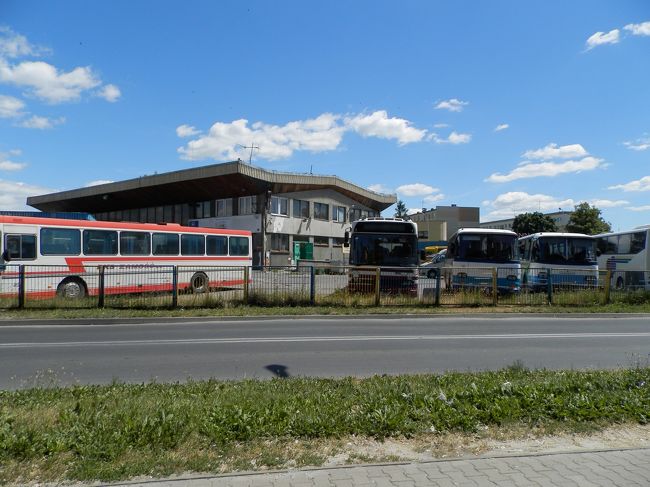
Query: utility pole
{"x": 251, "y": 147}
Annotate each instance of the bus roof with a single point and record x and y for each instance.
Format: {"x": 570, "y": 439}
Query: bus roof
{"x": 485, "y": 231}
{"x": 557, "y": 234}
{"x": 151, "y": 227}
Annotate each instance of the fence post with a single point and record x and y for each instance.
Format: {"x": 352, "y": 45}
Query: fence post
{"x": 174, "y": 286}
{"x": 549, "y": 286}
{"x": 438, "y": 282}
{"x": 494, "y": 287}
{"x": 21, "y": 286}
{"x": 377, "y": 286}
{"x": 608, "y": 286}
{"x": 101, "y": 287}
{"x": 246, "y": 279}
{"x": 312, "y": 285}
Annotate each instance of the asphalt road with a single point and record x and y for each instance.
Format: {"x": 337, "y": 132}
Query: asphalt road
{"x": 98, "y": 352}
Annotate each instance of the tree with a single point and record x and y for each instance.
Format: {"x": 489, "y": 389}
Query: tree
{"x": 527, "y": 223}
{"x": 401, "y": 211}
{"x": 586, "y": 219}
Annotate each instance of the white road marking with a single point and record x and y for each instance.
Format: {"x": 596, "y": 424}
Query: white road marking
{"x": 297, "y": 339}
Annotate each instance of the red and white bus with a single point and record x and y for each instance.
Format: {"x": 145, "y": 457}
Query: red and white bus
{"x": 62, "y": 257}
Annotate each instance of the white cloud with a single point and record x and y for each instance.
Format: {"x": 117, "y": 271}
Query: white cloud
{"x": 416, "y": 189}
{"x": 638, "y": 208}
{"x": 441, "y": 125}
{"x": 380, "y": 188}
{"x": 378, "y": 124}
{"x": 508, "y": 205}
{"x": 434, "y": 197}
{"x": 13, "y": 195}
{"x": 10, "y": 107}
{"x": 642, "y": 29}
{"x": 454, "y": 138}
{"x": 501, "y": 126}
{"x": 8, "y": 165}
{"x": 642, "y": 184}
{"x": 547, "y": 169}
{"x": 187, "y": 131}
{"x": 98, "y": 182}
{"x": 600, "y": 38}
{"x": 413, "y": 211}
{"x": 15, "y": 45}
{"x": 552, "y": 151}
{"x": 608, "y": 203}
{"x": 42, "y": 123}
{"x": 453, "y": 105}
{"x": 110, "y": 93}
{"x": 640, "y": 144}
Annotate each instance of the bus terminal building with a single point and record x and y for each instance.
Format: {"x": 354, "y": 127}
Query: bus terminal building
{"x": 279, "y": 208}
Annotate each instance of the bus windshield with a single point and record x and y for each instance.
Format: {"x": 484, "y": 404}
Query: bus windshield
{"x": 561, "y": 250}
{"x": 486, "y": 247}
{"x": 384, "y": 250}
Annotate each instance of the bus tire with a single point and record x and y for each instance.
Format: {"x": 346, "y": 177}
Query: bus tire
{"x": 199, "y": 283}
{"x": 72, "y": 288}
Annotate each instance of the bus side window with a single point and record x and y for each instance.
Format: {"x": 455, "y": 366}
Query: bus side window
{"x": 20, "y": 246}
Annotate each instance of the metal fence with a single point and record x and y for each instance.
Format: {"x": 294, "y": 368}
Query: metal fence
{"x": 127, "y": 286}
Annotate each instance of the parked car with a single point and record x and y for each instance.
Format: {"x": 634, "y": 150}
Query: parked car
{"x": 431, "y": 269}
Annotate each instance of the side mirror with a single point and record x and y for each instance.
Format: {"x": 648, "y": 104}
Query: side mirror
{"x": 346, "y": 238}
{"x": 5, "y": 256}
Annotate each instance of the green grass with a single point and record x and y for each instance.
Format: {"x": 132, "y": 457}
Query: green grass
{"x": 118, "y": 431}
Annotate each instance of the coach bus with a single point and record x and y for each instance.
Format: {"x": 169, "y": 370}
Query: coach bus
{"x": 62, "y": 257}
{"x": 569, "y": 258}
{"x": 390, "y": 244}
{"x": 626, "y": 255}
{"x": 472, "y": 254}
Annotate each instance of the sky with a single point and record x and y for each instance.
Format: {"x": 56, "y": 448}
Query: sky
{"x": 509, "y": 106}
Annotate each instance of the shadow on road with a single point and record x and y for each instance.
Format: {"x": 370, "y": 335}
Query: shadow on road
{"x": 278, "y": 370}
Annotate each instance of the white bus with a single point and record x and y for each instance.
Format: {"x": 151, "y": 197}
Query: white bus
{"x": 62, "y": 257}
{"x": 390, "y": 244}
{"x": 472, "y": 254}
{"x": 569, "y": 258}
{"x": 626, "y": 255}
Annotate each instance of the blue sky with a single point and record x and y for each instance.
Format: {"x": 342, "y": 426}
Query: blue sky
{"x": 510, "y": 106}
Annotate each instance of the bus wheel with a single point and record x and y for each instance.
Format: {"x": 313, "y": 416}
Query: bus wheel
{"x": 620, "y": 285}
{"x": 72, "y": 288}
{"x": 199, "y": 283}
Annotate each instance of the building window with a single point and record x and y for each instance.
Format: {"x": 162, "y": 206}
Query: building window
{"x": 423, "y": 234}
{"x": 300, "y": 209}
{"x": 322, "y": 241}
{"x": 338, "y": 214}
{"x": 279, "y": 206}
{"x": 280, "y": 242}
{"x": 224, "y": 207}
{"x": 247, "y": 205}
{"x": 355, "y": 214}
{"x": 321, "y": 211}
{"x": 337, "y": 241}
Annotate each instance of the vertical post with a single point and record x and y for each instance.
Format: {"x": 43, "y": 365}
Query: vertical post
{"x": 312, "y": 285}
{"x": 174, "y": 286}
{"x": 246, "y": 279}
{"x": 549, "y": 286}
{"x": 101, "y": 287}
{"x": 438, "y": 282}
{"x": 378, "y": 286}
{"x": 495, "y": 290}
{"x": 21, "y": 286}
{"x": 608, "y": 286}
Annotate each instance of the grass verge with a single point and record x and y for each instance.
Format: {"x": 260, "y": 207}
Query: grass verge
{"x": 121, "y": 431}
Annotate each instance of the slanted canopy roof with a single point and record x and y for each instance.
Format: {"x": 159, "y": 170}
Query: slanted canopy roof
{"x": 231, "y": 179}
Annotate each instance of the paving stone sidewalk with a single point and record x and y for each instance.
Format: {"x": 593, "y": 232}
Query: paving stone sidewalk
{"x": 630, "y": 467}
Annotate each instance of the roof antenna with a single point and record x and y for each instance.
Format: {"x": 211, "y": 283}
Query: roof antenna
{"x": 251, "y": 147}
{"x": 311, "y": 166}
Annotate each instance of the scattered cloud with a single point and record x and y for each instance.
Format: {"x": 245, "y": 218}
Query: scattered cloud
{"x": 13, "y": 195}
{"x": 187, "y": 131}
{"x": 413, "y": 211}
{"x": 453, "y": 138}
{"x": 416, "y": 189}
{"x": 638, "y": 208}
{"x": 11, "y": 107}
{"x": 110, "y": 93}
{"x": 380, "y": 188}
{"x": 640, "y": 144}
{"x": 642, "y": 29}
{"x": 378, "y": 124}
{"x": 501, "y": 126}
{"x": 453, "y": 105}
{"x": 642, "y": 184}
{"x": 600, "y": 38}
{"x": 599, "y": 203}
{"x": 14, "y": 45}
{"x": 508, "y": 205}
{"x": 552, "y": 151}
{"x": 434, "y": 197}
{"x": 41, "y": 123}
{"x": 441, "y": 125}
{"x": 7, "y": 164}
{"x": 98, "y": 182}
{"x": 548, "y": 169}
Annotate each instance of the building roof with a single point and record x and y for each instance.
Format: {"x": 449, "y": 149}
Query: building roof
{"x": 227, "y": 180}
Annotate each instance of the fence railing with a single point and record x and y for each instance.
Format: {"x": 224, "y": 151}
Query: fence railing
{"x": 127, "y": 286}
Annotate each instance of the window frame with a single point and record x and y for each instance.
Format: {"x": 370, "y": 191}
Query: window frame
{"x": 127, "y": 233}
{"x": 99, "y": 230}
{"x": 43, "y": 240}
{"x": 156, "y": 235}
{"x": 20, "y": 245}
{"x": 192, "y": 236}
{"x": 279, "y": 200}
{"x": 321, "y": 205}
